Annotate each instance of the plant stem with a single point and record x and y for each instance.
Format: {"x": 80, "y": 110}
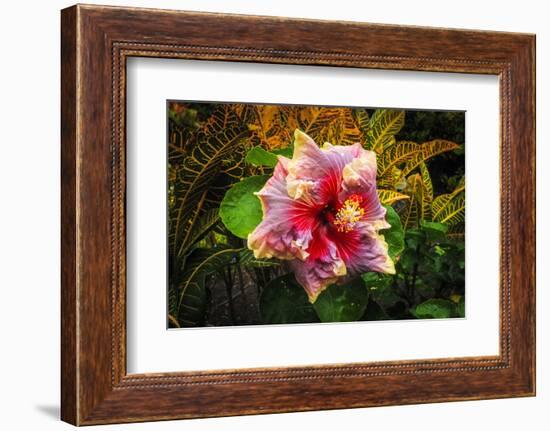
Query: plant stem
{"x": 241, "y": 283}
{"x": 229, "y": 292}
{"x": 259, "y": 280}
{"x": 414, "y": 275}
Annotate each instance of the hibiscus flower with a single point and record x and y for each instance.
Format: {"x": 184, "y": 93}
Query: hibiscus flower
{"x": 321, "y": 213}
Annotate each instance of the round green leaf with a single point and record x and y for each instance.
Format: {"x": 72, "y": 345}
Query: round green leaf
{"x": 287, "y": 151}
{"x": 435, "y": 309}
{"x": 285, "y": 301}
{"x": 257, "y": 156}
{"x": 342, "y": 303}
{"x": 241, "y": 210}
{"x": 394, "y": 235}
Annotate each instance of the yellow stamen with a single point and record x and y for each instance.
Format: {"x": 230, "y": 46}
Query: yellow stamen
{"x": 349, "y": 214}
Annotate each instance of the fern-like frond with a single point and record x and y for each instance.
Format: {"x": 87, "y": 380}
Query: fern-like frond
{"x": 192, "y": 291}
{"x": 407, "y": 156}
{"x": 388, "y": 197}
{"x": 412, "y": 212}
{"x": 198, "y": 230}
{"x": 450, "y": 208}
{"x": 456, "y": 232}
{"x": 427, "y": 150}
{"x": 362, "y": 120}
{"x": 268, "y": 128}
{"x": 246, "y": 258}
{"x": 215, "y": 159}
{"x": 427, "y": 181}
{"x": 418, "y": 207}
{"x": 316, "y": 121}
{"x": 452, "y": 211}
{"x": 384, "y": 125}
{"x": 395, "y": 156}
{"x": 173, "y": 322}
{"x": 348, "y": 131}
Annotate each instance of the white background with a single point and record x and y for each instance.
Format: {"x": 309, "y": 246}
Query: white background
{"x": 29, "y": 217}
{"x": 151, "y": 348}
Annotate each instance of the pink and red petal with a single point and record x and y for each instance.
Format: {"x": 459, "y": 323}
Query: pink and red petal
{"x": 285, "y": 230}
{"x": 364, "y": 249}
{"x": 299, "y": 203}
{"x": 322, "y": 267}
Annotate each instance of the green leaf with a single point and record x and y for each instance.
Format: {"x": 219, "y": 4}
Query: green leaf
{"x": 257, "y": 156}
{"x": 241, "y": 210}
{"x": 415, "y": 238}
{"x": 381, "y": 289}
{"x": 408, "y": 260}
{"x": 286, "y": 152}
{"x": 342, "y": 303}
{"x": 394, "y": 235}
{"x": 375, "y": 280}
{"x": 283, "y": 300}
{"x": 434, "y": 231}
{"x": 435, "y": 309}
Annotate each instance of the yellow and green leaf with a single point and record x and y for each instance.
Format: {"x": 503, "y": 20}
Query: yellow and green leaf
{"x": 211, "y": 167}
{"x": 388, "y": 197}
{"x": 427, "y": 150}
{"x": 418, "y": 207}
{"x": 383, "y": 126}
{"x": 450, "y": 208}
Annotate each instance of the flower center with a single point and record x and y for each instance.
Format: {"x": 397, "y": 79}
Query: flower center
{"x": 349, "y": 213}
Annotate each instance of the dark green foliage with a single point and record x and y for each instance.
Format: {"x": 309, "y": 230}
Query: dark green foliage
{"x": 285, "y": 301}
{"x": 435, "y": 308}
{"x": 342, "y": 303}
{"x": 191, "y": 289}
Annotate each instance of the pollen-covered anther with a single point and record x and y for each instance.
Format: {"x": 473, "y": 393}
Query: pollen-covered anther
{"x": 349, "y": 214}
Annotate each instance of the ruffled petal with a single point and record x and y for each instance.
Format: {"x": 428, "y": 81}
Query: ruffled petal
{"x": 322, "y": 267}
{"x": 359, "y": 177}
{"x": 285, "y": 230}
{"x": 299, "y": 205}
{"x": 317, "y": 171}
{"x": 360, "y": 172}
{"x": 364, "y": 249}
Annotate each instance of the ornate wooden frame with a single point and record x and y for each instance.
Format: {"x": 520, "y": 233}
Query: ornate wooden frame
{"x": 95, "y": 43}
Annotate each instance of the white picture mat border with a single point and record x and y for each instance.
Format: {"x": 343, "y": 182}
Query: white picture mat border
{"x": 153, "y": 348}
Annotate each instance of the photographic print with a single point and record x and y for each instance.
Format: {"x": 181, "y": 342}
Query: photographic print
{"x": 285, "y": 214}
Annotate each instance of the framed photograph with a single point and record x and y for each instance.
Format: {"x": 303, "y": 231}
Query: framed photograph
{"x": 265, "y": 214}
